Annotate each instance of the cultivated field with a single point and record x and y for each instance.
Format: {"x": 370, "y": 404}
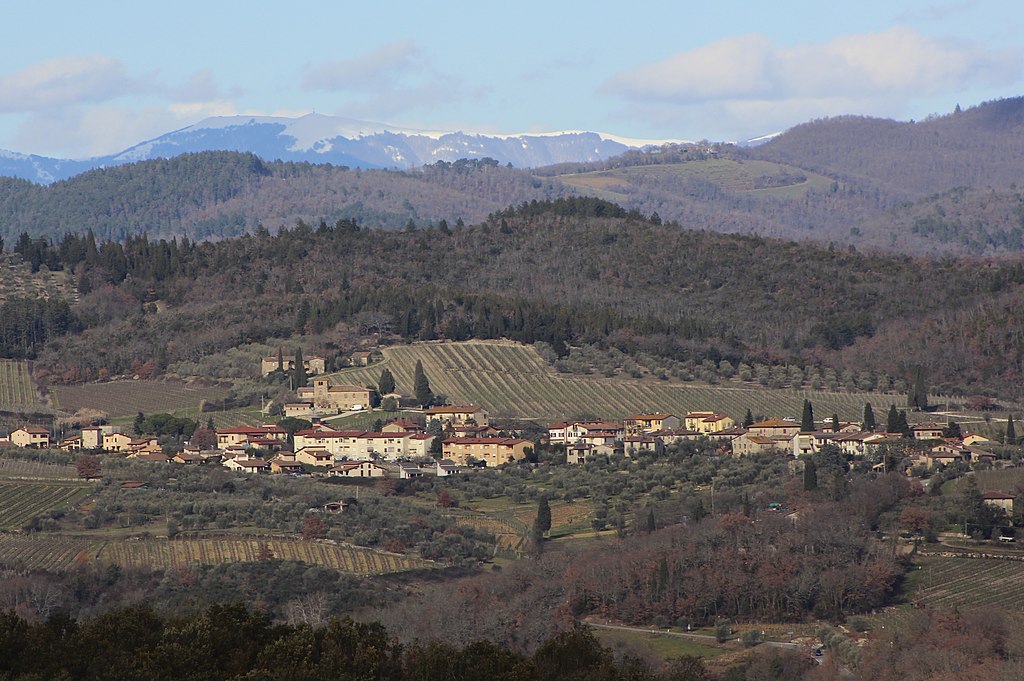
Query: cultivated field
{"x": 513, "y": 381}
{"x": 17, "y": 391}
{"x": 22, "y": 468}
{"x": 17, "y": 280}
{"x": 160, "y": 554}
{"x": 755, "y": 178}
{"x": 127, "y": 398}
{"x": 20, "y": 501}
{"x": 44, "y": 552}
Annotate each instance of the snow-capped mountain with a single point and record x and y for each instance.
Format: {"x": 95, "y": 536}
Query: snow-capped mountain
{"x": 317, "y": 138}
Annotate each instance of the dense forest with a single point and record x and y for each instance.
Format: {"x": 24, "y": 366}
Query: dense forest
{"x": 850, "y": 181}
{"x": 573, "y": 271}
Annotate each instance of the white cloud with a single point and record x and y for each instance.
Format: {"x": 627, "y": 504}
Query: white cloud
{"x": 395, "y": 78}
{"x": 65, "y": 81}
{"x": 877, "y": 73}
{"x": 382, "y": 67}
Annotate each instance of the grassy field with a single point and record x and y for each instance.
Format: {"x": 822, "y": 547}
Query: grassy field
{"x": 365, "y": 421}
{"x": 513, "y": 381}
{"x": 662, "y": 646}
{"x": 44, "y": 552}
{"x": 159, "y": 554}
{"x": 17, "y": 391}
{"x": 21, "y": 500}
{"x": 747, "y": 177}
{"x": 1001, "y": 480}
{"x": 127, "y": 398}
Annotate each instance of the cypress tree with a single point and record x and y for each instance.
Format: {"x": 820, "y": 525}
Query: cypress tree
{"x": 748, "y": 420}
{"x": 869, "y": 417}
{"x": 299, "y": 372}
{"x": 1011, "y": 431}
{"x": 901, "y": 424}
{"x": 280, "y": 360}
{"x": 543, "y": 522}
{"x": 835, "y": 423}
{"x": 421, "y": 386}
{"x": 810, "y": 475}
{"x": 651, "y": 525}
{"x": 807, "y": 420}
{"x": 892, "y": 420}
{"x": 917, "y": 398}
{"x": 386, "y": 384}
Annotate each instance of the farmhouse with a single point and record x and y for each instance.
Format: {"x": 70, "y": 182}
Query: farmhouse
{"x": 569, "y": 432}
{"x": 115, "y": 442}
{"x": 359, "y": 469}
{"x": 246, "y": 435}
{"x": 638, "y": 424}
{"x": 582, "y": 452}
{"x": 314, "y": 456}
{"x": 407, "y": 471}
{"x": 324, "y": 396}
{"x": 493, "y": 451}
{"x": 1000, "y": 500}
{"x": 248, "y": 465}
{"x": 634, "y": 444}
{"x": 927, "y": 431}
{"x": 361, "y": 358}
{"x": 459, "y": 415}
{"x": 779, "y": 429}
{"x": 750, "y": 443}
{"x": 71, "y": 444}
{"x": 445, "y": 468}
{"x": 30, "y": 436}
{"x": 402, "y": 426}
{"x": 707, "y": 421}
{"x": 314, "y": 364}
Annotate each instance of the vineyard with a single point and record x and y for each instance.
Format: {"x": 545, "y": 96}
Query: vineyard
{"x": 513, "y": 381}
{"x": 127, "y": 398}
{"x": 21, "y": 468}
{"x": 20, "y": 501}
{"x": 960, "y": 583}
{"x": 44, "y": 552}
{"x": 17, "y": 391}
{"x": 160, "y": 554}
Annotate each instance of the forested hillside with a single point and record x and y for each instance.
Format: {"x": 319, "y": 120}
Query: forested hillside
{"x": 565, "y": 272}
{"x": 940, "y": 187}
{"x": 978, "y": 147}
{"x": 214, "y": 195}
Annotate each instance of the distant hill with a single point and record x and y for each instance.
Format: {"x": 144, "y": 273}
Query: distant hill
{"x": 978, "y": 147}
{"x": 942, "y": 187}
{"x": 316, "y": 138}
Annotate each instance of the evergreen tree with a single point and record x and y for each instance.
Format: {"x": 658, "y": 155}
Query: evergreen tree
{"x": 421, "y": 386}
{"x": 280, "y": 360}
{"x": 901, "y": 424}
{"x": 892, "y": 420}
{"x": 1011, "y": 431}
{"x": 748, "y": 420}
{"x": 299, "y": 372}
{"x": 543, "y": 522}
{"x": 835, "y": 423}
{"x": 807, "y": 420}
{"x": 651, "y": 524}
{"x": 386, "y": 384}
{"x": 869, "y": 417}
{"x": 139, "y": 424}
{"x": 917, "y": 398}
{"x": 952, "y": 429}
{"x": 810, "y": 475}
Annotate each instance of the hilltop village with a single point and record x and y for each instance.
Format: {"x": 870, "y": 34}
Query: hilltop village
{"x": 445, "y": 440}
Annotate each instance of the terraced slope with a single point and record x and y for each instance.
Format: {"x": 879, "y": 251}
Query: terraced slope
{"x": 513, "y": 381}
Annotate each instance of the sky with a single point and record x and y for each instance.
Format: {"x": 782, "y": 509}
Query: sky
{"x": 86, "y": 79}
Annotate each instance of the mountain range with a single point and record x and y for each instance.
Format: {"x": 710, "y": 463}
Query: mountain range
{"x": 316, "y": 138}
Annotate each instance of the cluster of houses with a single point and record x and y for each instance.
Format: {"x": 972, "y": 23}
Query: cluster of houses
{"x": 653, "y": 432}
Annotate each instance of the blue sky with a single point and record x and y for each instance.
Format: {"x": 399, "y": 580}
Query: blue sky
{"x": 80, "y": 79}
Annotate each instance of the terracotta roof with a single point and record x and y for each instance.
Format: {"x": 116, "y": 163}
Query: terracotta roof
{"x": 775, "y": 423}
{"x": 251, "y": 430}
{"x": 34, "y": 430}
{"x": 504, "y": 441}
{"x": 454, "y": 409}
{"x": 649, "y": 417}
